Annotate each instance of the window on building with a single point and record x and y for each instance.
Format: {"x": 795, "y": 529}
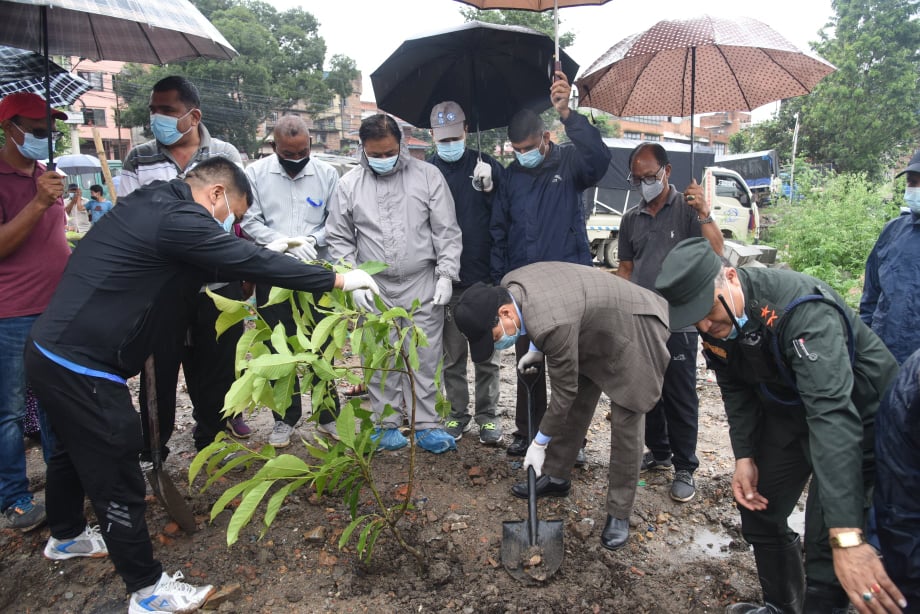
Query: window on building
{"x": 94, "y": 117}
{"x": 652, "y": 137}
{"x": 635, "y": 136}
{"x": 94, "y": 79}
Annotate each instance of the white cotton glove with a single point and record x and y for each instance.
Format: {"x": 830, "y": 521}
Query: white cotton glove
{"x": 536, "y": 454}
{"x": 278, "y": 245}
{"x": 364, "y": 299}
{"x": 530, "y": 363}
{"x": 443, "y": 291}
{"x": 358, "y": 279}
{"x": 305, "y": 250}
{"x": 482, "y": 175}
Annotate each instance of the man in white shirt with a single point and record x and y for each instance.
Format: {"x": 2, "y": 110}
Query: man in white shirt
{"x": 289, "y": 210}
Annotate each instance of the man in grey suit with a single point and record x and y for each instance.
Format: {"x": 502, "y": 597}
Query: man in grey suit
{"x": 598, "y": 333}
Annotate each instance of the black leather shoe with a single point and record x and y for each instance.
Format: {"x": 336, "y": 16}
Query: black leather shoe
{"x": 615, "y": 534}
{"x": 545, "y": 488}
{"x": 518, "y": 446}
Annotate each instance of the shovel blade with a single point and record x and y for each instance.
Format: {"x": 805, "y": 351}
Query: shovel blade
{"x": 172, "y": 500}
{"x": 532, "y": 563}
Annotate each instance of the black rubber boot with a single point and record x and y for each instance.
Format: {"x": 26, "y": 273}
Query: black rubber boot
{"x": 826, "y": 599}
{"x": 782, "y": 578}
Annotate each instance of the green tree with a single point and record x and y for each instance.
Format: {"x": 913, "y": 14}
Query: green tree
{"x": 342, "y": 73}
{"x": 866, "y": 113}
{"x": 280, "y": 63}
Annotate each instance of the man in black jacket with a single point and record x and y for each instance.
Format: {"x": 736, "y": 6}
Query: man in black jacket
{"x": 117, "y": 295}
{"x": 473, "y": 179}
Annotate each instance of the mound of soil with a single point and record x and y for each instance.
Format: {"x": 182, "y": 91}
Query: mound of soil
{"x": 680, "y": 557}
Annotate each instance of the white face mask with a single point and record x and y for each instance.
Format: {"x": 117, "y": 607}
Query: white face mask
{"x": 912, "y": 198}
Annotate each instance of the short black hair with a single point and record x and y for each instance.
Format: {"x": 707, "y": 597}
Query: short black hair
{"x": 219, "y": 169}
{"x": 379, "y": 126}
{"x": 72, "y": 186}
{"x": 524, "y": 125}
{"x": 96, "y": 188}
{"x": 187, "y": 91}
{"x": 660, "y": 153}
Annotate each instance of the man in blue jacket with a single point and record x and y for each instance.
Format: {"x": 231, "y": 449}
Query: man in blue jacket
{"x": 473, "y": 180}
{"x": 539, "y": 217}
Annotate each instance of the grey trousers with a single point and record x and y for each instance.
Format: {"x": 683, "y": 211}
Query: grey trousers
{"x": 397, "y": 391}
{"x": 627, "y": 432}
{"x": 456, "y": 353}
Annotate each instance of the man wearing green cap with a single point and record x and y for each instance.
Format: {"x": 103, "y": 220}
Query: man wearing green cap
{"x": 801, "y": 379}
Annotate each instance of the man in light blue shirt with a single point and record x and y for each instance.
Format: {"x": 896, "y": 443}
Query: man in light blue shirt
{"x": 98, "y": 205}
{"x": 288, "y": 214}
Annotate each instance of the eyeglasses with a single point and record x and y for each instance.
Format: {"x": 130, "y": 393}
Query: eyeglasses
{"x": 648, "y": 180}
{"x": 39, "y": 133}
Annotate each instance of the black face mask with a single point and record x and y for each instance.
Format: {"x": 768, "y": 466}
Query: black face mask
{"x": 293, "y": 167}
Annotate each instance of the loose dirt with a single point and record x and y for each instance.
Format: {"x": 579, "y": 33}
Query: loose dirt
{"x": 680, "y": 557}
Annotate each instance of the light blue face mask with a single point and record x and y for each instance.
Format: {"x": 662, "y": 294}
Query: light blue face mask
{"x": 507, "y": 340}
{"x": 165, "y": 130}
{"x": 532, "y": 158}
{"x": 381, "y": 165}
{"x": 227, "y": 224}
{"x": 451, "y": 151}
{"x": 911, "y": 197}
{"x": 742, "y": 319}
{"x": 32, "y": 148}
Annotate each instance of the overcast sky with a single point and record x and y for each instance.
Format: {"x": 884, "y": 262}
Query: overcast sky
{"x": 370, "y": 30}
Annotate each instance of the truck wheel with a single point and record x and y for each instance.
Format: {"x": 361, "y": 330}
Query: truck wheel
{"x": 611, "y": 257}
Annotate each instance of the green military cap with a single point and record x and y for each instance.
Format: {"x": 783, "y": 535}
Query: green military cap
{"x": 687, "y": 281}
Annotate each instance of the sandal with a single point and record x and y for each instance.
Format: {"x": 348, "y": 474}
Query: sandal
{"x": 357, "y": 390}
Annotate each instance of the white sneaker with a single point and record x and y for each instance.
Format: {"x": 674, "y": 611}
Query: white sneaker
{"x": 89, "y": 543}
{"x": 169, "y": 595}
{"x": 281, "y": 435}
{"x": 329, "y": 429}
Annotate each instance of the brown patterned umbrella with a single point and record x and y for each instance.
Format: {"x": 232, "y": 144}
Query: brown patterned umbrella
{"x": 700, "y": 65}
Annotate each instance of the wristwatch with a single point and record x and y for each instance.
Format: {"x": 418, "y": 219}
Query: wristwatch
{"x": 847, "y": 539}
{"x": 705, "y": 220}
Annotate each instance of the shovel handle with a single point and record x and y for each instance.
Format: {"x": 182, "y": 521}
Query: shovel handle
{"x": 532, "y": 505}
{"x": 153, "y": 419}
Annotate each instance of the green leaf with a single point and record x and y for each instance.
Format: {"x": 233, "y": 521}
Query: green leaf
{"x": 345, "y": 424}
{"x": 279, "y": 340}
{"x": 323, "y": 369}
{"x": 277, "y": 295}
{"x": 356, "y": 341}
{"x": 283, "y": 466}
{"x": 340, "y": 333}
{"x": 273, "y": 366}
{"x": 227, "y": 304}
{"x": 239, "y": 397}
{"x": 354, "y": 524}
{"x": 322, "y": 331}
{"x": 229, "y": 495}
{"x": 228, "y": 319}
{"x": 282, "y": 392}
{"x": 243, "y": 514}
{"x": 394, "y": 312}
{"x": 372, "y": 267}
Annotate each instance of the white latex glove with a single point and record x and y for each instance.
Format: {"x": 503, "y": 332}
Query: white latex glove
{"x": 443, "y": 291}
{"x": 482, "y": 175}
{"x": 305, "y": 250}
{"x": 364, "y": 299}
{"x": 530, "y": 363}
{"x": 358, "y": 279}
{"x": 278, "y": 245}
{"x": 536, "y": 454}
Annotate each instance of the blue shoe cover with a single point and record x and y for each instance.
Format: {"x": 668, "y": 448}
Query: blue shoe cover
{"x": 436, "y": 441}
{"x": 389, "y": 439}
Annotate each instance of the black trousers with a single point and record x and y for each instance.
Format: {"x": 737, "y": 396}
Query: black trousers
{"x": 281, "y": 312}
{"x": 521, "y": 346}
{"x": 206, "y": 361}
{"x": 672, "y": 425}
{"x": 98, "y": 440}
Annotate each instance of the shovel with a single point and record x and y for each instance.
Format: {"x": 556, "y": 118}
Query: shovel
{"x": 162, "y": 485}
{"x": 532, "y": 550}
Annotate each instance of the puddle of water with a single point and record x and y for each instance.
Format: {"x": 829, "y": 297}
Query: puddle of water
{"x": 710, "y": 542}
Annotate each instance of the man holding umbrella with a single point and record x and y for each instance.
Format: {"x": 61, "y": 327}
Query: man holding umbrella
{"x": 33, "y": 254}
{"x": 472, "y": 177}
{"x": 539, "y": 216}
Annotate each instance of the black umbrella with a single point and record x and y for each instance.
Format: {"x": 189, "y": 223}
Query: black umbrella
{"x": 491, "y": 71}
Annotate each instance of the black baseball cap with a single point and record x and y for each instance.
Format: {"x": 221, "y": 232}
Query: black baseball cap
{"x": 476, "y": 314}
{"x": 913, "y": 166}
